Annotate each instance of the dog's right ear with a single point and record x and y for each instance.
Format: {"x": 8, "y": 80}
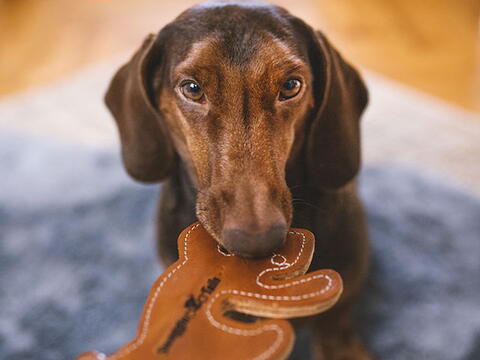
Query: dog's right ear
{"x": 146, "y": 149}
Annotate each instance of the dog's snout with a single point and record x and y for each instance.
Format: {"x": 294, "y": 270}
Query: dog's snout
{"x": 254, "y": 245}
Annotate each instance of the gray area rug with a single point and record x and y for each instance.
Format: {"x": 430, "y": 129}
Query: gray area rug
{"x": 77, "y": 256}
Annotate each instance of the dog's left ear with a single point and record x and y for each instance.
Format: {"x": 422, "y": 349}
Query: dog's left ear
{"x": 333, "y": 140}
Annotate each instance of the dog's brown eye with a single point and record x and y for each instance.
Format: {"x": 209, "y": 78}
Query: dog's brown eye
{"x": 192, "y": 91}
{"x": 290, "y": 89}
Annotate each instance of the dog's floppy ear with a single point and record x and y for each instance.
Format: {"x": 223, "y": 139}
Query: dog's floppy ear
{"x": 146, "y": 149}
{"x": 333, "y": 140}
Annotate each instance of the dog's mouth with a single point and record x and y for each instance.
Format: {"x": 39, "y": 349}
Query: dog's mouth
{"x": 243, "y": 243}
{"x": 249, "y": 220}
{"x": 254, "y": 245}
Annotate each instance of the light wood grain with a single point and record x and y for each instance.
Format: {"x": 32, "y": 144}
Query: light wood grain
{"x": 431, "y": 45}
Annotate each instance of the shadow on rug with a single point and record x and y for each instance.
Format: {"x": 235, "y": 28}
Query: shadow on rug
{"x": 77, "y": 257}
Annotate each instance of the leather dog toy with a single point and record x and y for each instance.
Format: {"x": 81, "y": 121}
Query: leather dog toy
{"x": 196, "y": 308}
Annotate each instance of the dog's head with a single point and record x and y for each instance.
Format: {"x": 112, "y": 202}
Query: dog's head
{"x": 239, "y": 91}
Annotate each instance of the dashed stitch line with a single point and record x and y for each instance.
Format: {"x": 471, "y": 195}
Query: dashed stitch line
{"x": 210, "y": 317}
{"x": 223, "y": 252}
{"x": 275, "y": 345}
{"x": 279, "y": 331}
{"x": 284, "y": 260}
{"x": 148, "y": 314}
{"x": 281, "y": 286}
{"x": 241, "y": 332}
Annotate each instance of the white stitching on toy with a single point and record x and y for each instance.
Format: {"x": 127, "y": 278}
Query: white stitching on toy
{"x": 275, "y": 345}
{"x": 279, "y": 331}
{"x": 146, "y": 323}
{"x": 210, "y": 317}
{"x": 223, "y": 252}
{"x": 284, "y": 260}
{"x": 240, "y": 332}
{"x": 259, "y": 283}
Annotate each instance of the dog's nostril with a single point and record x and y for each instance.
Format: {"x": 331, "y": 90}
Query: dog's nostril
{"x": 249, "y": 245}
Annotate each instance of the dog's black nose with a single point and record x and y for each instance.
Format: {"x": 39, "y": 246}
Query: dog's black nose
{"x": 254, "y": 245}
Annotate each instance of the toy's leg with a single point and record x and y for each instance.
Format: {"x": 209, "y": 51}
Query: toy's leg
{"x": 334, "y": 337}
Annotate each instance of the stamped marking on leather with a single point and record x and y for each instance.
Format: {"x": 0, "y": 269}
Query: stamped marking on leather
{"x": 139, "y": 341}
{"x": 192, "y": 305}
{"x": 272, "y": 327}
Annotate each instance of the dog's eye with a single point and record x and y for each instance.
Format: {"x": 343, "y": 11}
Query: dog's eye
{"x": 290, "y": 89}
{"x": 192, "y": 91}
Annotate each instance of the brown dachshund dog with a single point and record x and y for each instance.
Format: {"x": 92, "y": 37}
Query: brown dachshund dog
{"x": 251, "y": 119}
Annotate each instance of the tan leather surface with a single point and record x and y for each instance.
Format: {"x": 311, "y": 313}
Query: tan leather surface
{"x": 184, "y": 316}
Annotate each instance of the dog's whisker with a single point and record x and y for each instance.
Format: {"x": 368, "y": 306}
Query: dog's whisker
{"x": 304, "y": 202}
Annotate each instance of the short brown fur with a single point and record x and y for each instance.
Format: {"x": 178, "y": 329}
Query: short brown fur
{"x": 242, "y": 158}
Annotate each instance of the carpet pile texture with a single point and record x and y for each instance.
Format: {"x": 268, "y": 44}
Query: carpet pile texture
{"x": 77, "y": 256}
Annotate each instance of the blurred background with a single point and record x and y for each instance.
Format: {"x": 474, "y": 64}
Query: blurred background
{"x": 76, "y": 232}
{"x": 430, "y": 45}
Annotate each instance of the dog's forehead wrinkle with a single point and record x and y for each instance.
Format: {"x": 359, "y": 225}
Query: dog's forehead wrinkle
{"x": 238, "y": 36}
{"x": 196, "y": 52}
{"x": 277, "y": 55}
{"x": 241, "y": 26}
{"x": 211, "y": 57}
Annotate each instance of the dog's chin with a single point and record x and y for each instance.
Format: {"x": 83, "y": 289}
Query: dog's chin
{"x": 254, "y": 241}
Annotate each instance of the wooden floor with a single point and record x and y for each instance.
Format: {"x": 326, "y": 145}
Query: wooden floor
{"x": 432, "y": 45}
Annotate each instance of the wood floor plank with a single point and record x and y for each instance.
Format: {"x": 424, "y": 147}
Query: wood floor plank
{"x": 432, "y": 45}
